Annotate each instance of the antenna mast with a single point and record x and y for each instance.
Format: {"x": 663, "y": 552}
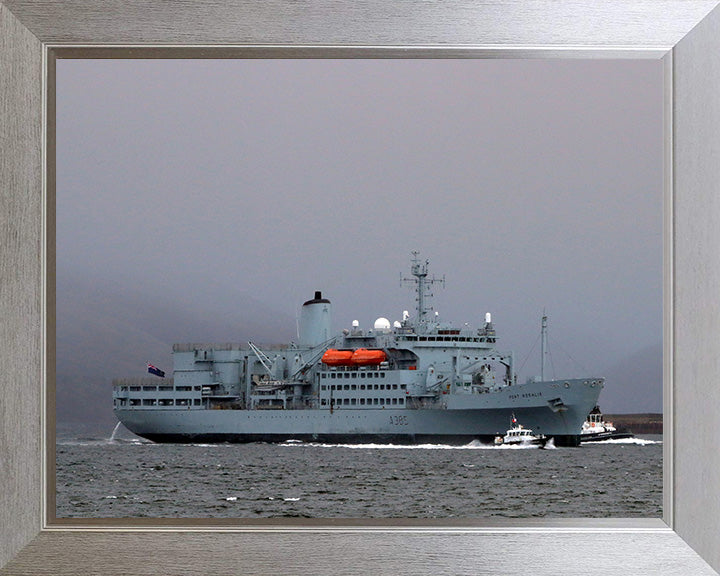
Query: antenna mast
{"x": 422, "y": 285}
{"x": 543, "y": 346}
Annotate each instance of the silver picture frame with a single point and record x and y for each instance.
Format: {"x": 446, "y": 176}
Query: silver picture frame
{"x": 684, "y": 34}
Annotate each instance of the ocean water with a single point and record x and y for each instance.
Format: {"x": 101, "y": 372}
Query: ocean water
{"x": 100, "y": 478}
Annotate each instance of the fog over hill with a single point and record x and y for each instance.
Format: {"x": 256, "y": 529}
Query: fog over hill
{"x": 635, "y": 383}
{"x": 106, "y": 332}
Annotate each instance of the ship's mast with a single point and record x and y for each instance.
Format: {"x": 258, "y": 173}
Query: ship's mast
{"x": 543, "y": 346}
{"x": 422, "y": 286}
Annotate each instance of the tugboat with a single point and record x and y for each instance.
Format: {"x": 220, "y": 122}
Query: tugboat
{"x": 414, "y": 380}
{"x": 595, "y": 428}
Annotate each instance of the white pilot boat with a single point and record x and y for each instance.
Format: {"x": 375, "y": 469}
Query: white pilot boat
{"x": 518, "y": 435}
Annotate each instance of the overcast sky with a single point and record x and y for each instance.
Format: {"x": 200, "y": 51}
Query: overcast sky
{"x": 529, "y": 184}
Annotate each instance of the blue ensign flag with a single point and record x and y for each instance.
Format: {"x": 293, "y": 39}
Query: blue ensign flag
{"x": 155, "y": 371}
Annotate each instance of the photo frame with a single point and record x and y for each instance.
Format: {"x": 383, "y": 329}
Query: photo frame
{"x": 682, "y": 34}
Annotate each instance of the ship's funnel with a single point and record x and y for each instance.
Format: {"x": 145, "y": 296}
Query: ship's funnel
{"x": 315, "y": 321}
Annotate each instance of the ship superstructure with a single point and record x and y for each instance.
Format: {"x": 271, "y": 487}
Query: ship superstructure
{"x": 417, "y": 380}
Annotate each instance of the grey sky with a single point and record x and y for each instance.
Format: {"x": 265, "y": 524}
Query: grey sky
{"x": 529, "y": 184}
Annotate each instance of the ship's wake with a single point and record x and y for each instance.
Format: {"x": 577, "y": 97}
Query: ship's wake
{"x": 635, "y": 441}
{"x": 474, "y": 445}
{"x": 101, "y": 441}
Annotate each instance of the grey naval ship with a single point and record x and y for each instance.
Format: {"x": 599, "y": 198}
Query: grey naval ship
{"x": 416, "y": 381}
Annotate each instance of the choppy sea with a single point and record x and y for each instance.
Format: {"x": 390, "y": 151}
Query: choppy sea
{"x": 111, "y": 478}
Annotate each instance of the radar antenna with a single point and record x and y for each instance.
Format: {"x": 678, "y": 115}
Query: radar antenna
{"x": 423, "y": 284}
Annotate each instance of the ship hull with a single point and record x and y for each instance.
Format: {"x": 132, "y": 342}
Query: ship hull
{"x": 354, "y": 439}
{"x": 554, "y": 409}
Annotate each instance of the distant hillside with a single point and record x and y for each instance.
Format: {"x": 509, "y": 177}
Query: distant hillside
{"x": 634, "y": 384}
{"x": 637, "y": 423}
{"x": 106, "y": 332}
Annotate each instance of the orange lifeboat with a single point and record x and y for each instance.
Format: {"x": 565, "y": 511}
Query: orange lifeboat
{"x": 337, "y": 357}
{"x": 365, "y": 357}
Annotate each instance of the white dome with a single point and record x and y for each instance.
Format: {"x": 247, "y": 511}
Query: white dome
{"x": 382, "y": 325}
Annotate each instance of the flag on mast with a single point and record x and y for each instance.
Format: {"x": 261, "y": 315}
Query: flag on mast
{"x": 153, "y": 370}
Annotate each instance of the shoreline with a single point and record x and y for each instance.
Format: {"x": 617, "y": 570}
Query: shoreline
{"x": 644, "y": 423}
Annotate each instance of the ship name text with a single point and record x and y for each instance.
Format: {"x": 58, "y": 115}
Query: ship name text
{"x": 525, "y": 395}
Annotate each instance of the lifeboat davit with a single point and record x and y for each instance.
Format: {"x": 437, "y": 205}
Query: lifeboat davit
{"x": 365, "y": 357}
{"x": 337, "y": 357}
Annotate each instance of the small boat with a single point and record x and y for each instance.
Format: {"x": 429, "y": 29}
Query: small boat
{"x": 334, "y": 357}
{"x": 357, "y": 357}
{"x": 595, "y": 428}
{"x": 520, "y": 436}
